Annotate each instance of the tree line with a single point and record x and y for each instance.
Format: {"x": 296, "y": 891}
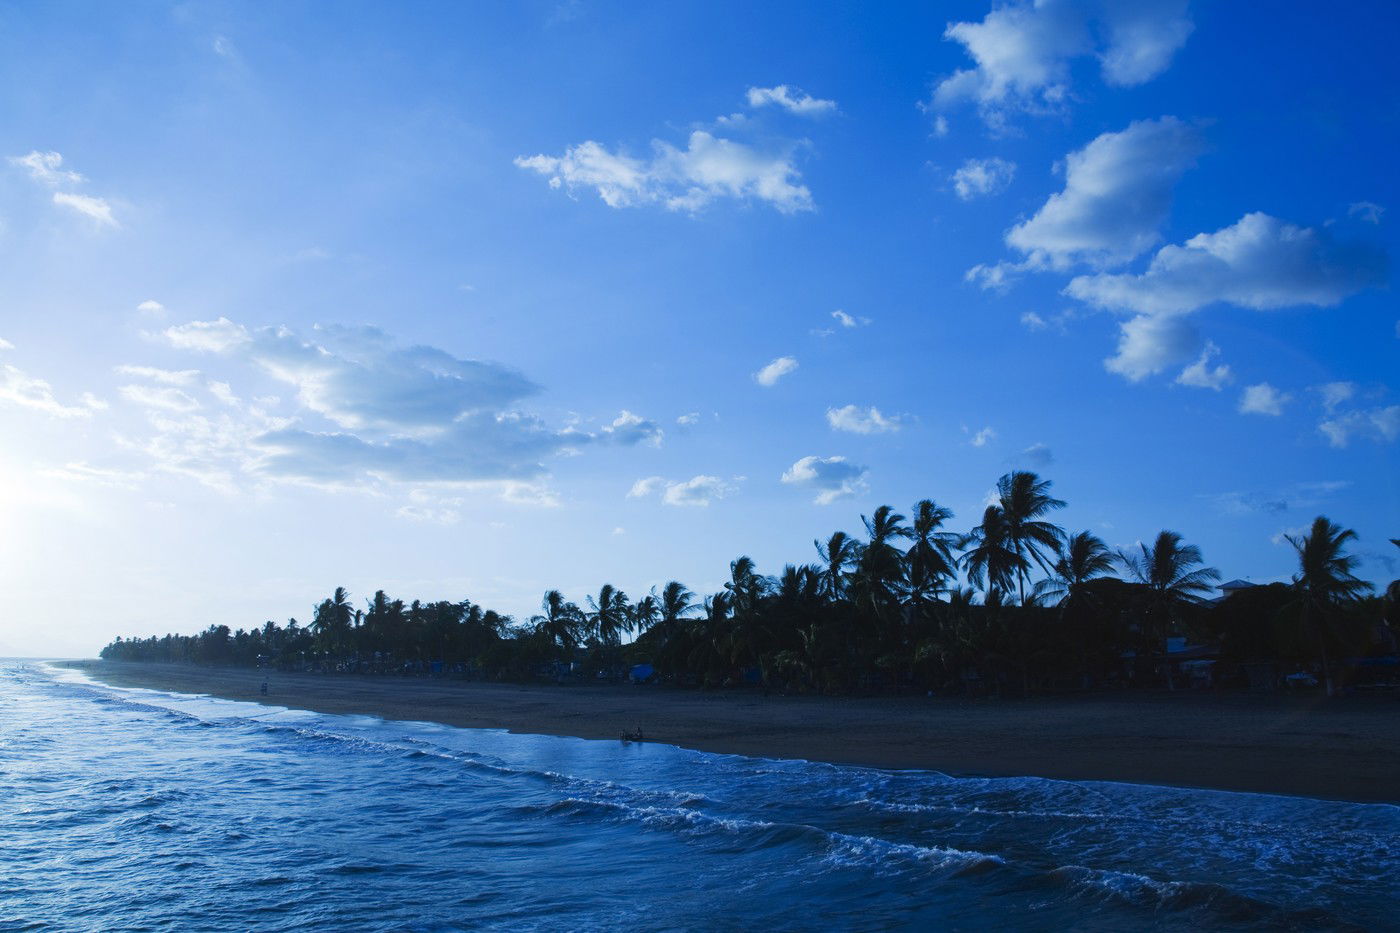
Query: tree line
{"x": 1016, "y": 604}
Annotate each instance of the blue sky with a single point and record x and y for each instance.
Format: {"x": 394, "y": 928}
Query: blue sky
{"x": 477, "y": 300}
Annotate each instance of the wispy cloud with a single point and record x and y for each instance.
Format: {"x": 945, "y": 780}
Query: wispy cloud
{"x": 792, "y": 100}
{"x": 857, "y": 420}
{"x": 770, "y": 374}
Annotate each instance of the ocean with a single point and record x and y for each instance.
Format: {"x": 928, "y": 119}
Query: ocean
{"x": 124, "y": 809}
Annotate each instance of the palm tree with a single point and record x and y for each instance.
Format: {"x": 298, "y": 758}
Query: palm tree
{"x": 930, "y": 557}
{"x": 1172, "y": 573}
{"x": 1325, "y": 580}
{"x": 745, "y": 587}
{"x": 646, "y": 612}
{"x": 992, "y": 563}
{"x": 839, "y": 553}
{"x": 559, "y": 622}
{"x": 1083, "y": 557}
{"x": 609, "y": 618}
{"x": 879, "y": 575}
{"x": 1024, "y": 498}
{"x": 676, "y": 601}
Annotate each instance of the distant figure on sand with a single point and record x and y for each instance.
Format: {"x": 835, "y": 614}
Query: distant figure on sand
{"x": 263, "y": 691}
{"x": 634, "y": 736}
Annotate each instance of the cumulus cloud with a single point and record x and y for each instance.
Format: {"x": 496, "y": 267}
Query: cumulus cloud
{"x": 982, "y": 437}
{"x": 1260, "y": 262}
{"x": 96, "y": 208}
{"x": 1263, "y": 399}
{"x": 770, "y": 374}
{"x": 1202, "y": 375}
{"x": 833, "y": 478}
{"x": 1334, "y": 394}
{"x": 790, "y": 99}
{"x": 47, "y": 168}
{"x": 151, "y": 307}
{"x": 981, "y": 177}
{"x": 370, "y": 411}
{"x": 1378, "y": 424}
{"x": 1116, "y": 197}
{"x": 688, "y": 419}
{"x": 5, "y": 344}
{"x": 859, "y": 420}
{"x": 629, "y": 429}
{"x": 1148, "y": 344}
{"x": 689, "y": 179}
{"x": 219, "y": 336}
{"x": 1023, "y": 51}
{"x": 697, "y": 491}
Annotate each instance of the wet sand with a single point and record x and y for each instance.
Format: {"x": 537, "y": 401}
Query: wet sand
{"x": 1345, "y": 749}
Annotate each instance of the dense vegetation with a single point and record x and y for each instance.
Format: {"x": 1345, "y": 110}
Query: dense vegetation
{"x": 1044, "y": 610}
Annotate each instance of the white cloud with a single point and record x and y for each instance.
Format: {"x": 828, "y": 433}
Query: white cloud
{"x": 1148, "y": 344}
{"x": 386, "y": 413}
{"x": 980, "y": 177}
{"x": 645, "y": 487}
{"x": 687, "y": 179}
{"x": 1259, "y": 262}
{"x": 1201, "y": 375}
{"x": 151, "y": 307}
{"x": 224, "y": 393}
{"x": 1379, "y": 424}
{"x": 1032, "y": 321}
{"x": 770, "y": 374}
{"x": 96, "y": 208}
{"x": 832, "y": 477}
{"x": 170, "y": 377}
{"x": 1023, "y": 51}
{"x": 847, "y": 320}
{"x": 1263, "y": 399}
{"x": 1368, "y": 211}
{"x": 1116, "y": 197}
{"x": 982, "y": 437}
{"x": 1335, "y": 393}
{"x": 5, "y": 344}
{"x": 20, "y": 389}
{"x": 688, "y": 419}
{"x": 629, "y": 429}
{"x": 698, "y": 490}
{"x": 861, "y": 420}
{"x": 219, "y": 336}
{"x": 167, "y": 398}
{"x": 792, "y": 100}
{"x": 47, "y": 168}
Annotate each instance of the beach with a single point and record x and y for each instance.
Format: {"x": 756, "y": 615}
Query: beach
{"x": 1306, "y": 745}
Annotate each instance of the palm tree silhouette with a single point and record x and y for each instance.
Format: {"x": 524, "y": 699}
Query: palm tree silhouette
{"x": 1024, "y": 498}
{"x": 1172, "y": 573}
{"x": 1082, "y": 558}
{"x": 839, "y": 553}
{"x": 930, "y": 557}
{"x": 559, "y": 622}
{"x": 1324, "y": 581}
{"x": 992, "y": 563}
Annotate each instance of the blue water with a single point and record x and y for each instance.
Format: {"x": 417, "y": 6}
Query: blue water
{"x": 133, "y": 809}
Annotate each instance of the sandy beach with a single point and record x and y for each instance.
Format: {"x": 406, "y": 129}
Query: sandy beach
{"x": 1347, "y": 749}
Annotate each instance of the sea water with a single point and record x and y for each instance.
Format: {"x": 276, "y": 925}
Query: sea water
{"x": 126, "y": 809}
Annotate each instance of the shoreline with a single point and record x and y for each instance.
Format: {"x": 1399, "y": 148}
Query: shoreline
{"x": 1347, "y": 749}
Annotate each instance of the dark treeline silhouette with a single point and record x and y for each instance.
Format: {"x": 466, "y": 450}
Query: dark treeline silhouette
{"x": 1045, "y": 610}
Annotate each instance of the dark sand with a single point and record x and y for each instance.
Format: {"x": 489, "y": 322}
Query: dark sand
{"x": 1344, "y": 749}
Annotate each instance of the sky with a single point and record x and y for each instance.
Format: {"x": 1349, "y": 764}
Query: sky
{"x": 478, "y": 300}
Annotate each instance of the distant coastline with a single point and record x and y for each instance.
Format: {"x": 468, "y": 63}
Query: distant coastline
{"x": 1304, "y": 746}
